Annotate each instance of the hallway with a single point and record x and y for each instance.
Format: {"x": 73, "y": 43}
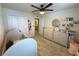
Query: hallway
{"x": 48, "y": 48}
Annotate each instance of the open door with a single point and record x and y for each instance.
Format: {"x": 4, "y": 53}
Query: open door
{"x": 36, "y": 25}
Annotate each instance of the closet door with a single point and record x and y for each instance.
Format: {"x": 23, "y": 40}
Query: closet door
{"x": 61, "y": 38}
{"x": 23, "y": 25}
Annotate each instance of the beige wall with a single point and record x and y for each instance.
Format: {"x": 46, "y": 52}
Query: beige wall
{"x": 27, "y": 16}
{"x": 1, "y": 27}
{"x": 61, "y": 15}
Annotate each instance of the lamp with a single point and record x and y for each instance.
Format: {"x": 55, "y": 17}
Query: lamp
{"x": 42, "y": 12}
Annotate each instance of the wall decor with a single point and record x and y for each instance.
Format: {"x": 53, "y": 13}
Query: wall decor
{"x": 71, "y": 24}
{"x": 69, "y": 18}
{"x": 29, "y": 25}
{"x": 63, "y": 24}
{"x": 62, "y": 30}
{"x": 76, "y": 22}
{"x": 56, "y": 23}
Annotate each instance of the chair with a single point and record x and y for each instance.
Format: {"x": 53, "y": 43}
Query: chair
{"x": 24, "y": 47}
{"x": 73, "y": 43}
{"x": 73, "y": 49}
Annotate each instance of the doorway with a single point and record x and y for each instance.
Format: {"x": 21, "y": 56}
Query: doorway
{"x": 36, "y": 25}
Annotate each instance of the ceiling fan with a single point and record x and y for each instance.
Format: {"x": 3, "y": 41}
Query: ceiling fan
{"x": 42, "y": 8}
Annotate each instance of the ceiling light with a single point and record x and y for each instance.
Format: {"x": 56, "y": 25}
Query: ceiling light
{"x": 42, "y": 12}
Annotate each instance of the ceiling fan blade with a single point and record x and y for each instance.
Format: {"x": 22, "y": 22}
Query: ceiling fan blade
{"x": 48, "y": 10}
{"x": 35, "y": 10}
{"x": 48, "y": 5}
{"x": 35, "y": 7}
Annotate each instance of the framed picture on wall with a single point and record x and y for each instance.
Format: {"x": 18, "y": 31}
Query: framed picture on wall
{"x": 70, "y": 22}
{"x": 76, "y": 22}
{"x": 69, "y": 18}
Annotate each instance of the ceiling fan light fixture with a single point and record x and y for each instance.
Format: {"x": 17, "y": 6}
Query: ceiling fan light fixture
{"x": 42, "y": 12}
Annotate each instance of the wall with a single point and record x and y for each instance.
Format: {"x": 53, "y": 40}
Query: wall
{"x": 1, "y": 27}
{"x": 27, "y": 16}
{"x": 41, "y": 26}
{"x": 61, "y": 15}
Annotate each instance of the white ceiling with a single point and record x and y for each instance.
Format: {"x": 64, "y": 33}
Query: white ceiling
{"x": 27, "y": 8}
